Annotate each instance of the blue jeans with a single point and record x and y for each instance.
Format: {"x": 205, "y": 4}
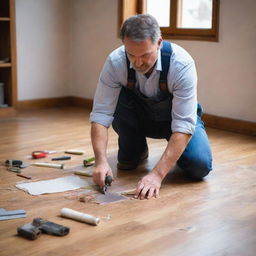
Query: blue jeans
{"x": 133, "y": 126}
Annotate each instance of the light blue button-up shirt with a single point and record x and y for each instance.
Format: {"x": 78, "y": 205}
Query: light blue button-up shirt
{"x": 182, "y": 83}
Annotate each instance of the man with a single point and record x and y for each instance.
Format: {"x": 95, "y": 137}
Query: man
{"x": 147, "y": 88}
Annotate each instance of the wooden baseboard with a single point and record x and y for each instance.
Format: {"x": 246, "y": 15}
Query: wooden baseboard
{"x": 43, "y": 103}
{"x": 228, "y": 124}
{"x": 81, "y": 102}
{"x": 54, "y": 102}
{"x": 223, "y": 123}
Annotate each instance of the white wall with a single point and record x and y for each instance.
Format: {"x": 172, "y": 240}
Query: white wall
{"x": 226, "y": 69}
{"x": 94, "y": 36}
{"x": 43, "y": 52}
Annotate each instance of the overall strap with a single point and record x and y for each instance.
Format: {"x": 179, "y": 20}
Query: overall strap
{"x": 131, "y": 76}
{"x": 166, "y": 52}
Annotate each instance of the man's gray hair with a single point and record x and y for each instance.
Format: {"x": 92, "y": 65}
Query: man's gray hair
{"x": 140, "y": 27}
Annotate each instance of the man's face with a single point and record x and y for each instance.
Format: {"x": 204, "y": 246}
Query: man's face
{"x": 142, "y": 55}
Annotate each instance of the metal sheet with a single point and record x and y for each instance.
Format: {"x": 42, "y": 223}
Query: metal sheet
{"x": 14, "y": 214}
{"x": 109, "y": 198}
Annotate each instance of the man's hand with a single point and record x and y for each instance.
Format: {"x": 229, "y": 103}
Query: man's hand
{"x": 149, "y": 186}
{"x": 99, "y": 137}
{"x": 100, "y": 172}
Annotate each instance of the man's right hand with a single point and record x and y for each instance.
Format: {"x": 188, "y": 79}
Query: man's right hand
{"x": 100, "y": 172}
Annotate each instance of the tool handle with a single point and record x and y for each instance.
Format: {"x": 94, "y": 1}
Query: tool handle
{"x": 61, "y": 158}
{"x": 29, "y": 231}
{"x": 108, "y": 180}
{"x": 89, "y": 161}
{"x": 24, "y": 176}
{"x": 39, "y": 154}
{"x": 84, "y": 173}
{"x": 59, "y": 166}
{"x": 74, "y": 152}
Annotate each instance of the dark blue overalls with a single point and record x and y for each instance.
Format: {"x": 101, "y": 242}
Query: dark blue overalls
{"x": 137, "y": 117}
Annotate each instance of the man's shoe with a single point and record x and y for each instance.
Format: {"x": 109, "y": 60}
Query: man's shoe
{"x": 130, "y": 165}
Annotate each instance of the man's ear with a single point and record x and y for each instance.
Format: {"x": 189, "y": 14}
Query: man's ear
{"x": 159, "y": 43}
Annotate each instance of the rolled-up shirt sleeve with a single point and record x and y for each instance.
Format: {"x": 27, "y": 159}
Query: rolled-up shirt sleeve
{"x": 106, "y": 96}
{"x": 184, "y": 104}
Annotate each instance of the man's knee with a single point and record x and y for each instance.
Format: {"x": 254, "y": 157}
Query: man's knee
{"x": 196, "y": 168}
{"x": 198, "y": 172}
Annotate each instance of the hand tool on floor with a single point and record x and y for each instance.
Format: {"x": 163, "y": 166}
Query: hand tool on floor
{"x": 108, "y": 181}
{"x": 83, "y": 217}
{"x": 42, "y": 153}
{"x": 109, "y": 197}
{"x": 39, "y": 154}
{"x": 38, "y": 226}
{"x": 14, "y": 214}
{"x": 87, "y": 172}
{"x": 14, "y": 163}
{"x": 24, "y": 176}
{"x": 89, "y": 161}
{"x": 61, "y": 158}
{"x": 15, "y": 166}
{"x": 74, "y": 152}
{"x": 58, "y": 166}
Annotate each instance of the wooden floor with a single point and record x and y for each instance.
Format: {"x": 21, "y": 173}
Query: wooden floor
{"x": 216, "y": 217}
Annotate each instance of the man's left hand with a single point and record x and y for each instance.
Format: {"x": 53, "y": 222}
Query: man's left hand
{"x": 149, "y": 186}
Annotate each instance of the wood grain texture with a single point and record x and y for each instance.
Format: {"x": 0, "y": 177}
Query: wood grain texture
{"x": 7, "y": 112}
{"x": 210, "y": 218}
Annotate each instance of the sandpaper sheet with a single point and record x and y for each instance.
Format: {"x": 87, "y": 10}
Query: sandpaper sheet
{"x": 54, "y": 185}
{"x": 109, "y": 198}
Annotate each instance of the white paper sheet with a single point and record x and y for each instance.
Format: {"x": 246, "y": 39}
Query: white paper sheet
{"x": 54, "y": 185}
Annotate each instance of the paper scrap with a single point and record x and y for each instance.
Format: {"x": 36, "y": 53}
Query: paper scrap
{"x": 53, "y": 185}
